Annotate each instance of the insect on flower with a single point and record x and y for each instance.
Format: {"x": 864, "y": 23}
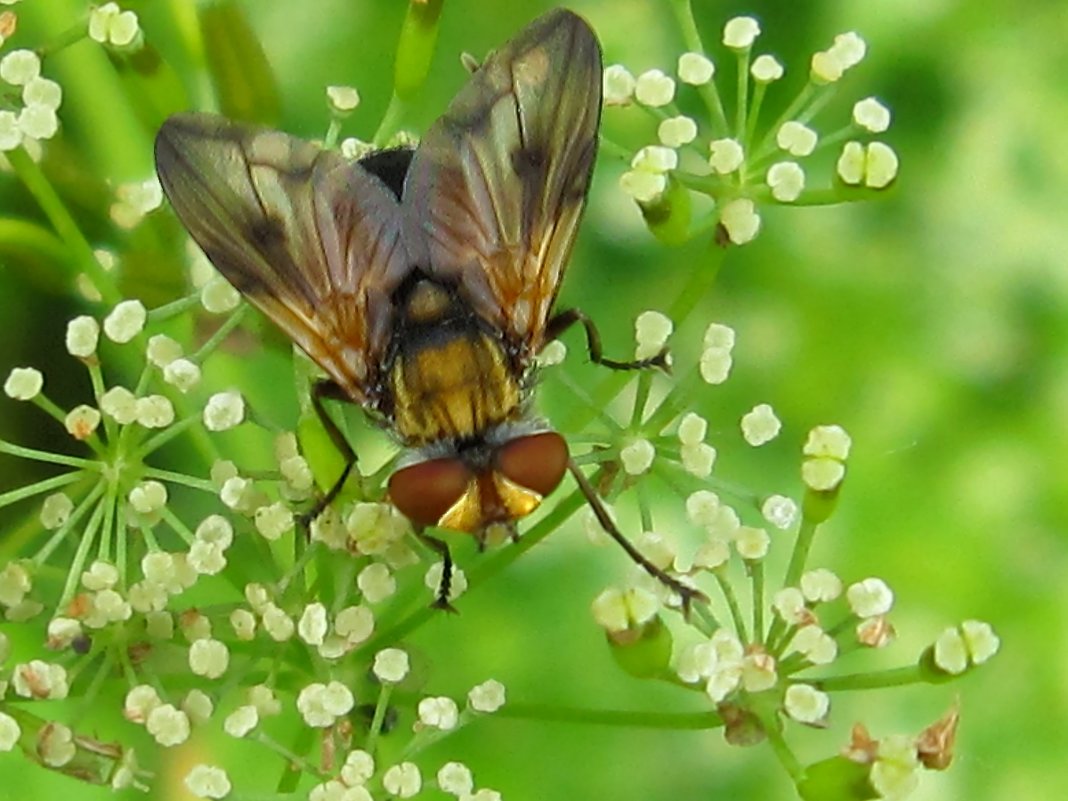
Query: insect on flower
{"x": 422, "y": 280}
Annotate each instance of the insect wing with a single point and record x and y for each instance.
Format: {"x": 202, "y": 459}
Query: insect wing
{"x": 498, "y": 185}
{"x": 312, "y": 240}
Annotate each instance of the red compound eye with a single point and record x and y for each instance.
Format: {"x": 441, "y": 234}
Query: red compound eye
{"x": 425, "y": 491}
{"x": 536, "y": 461}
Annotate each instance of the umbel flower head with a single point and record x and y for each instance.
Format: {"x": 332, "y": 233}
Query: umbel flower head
{"x": 755, "y": 153}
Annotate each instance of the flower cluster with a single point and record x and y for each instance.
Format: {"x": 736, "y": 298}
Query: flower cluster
{"x": 739, "y": 160}
{"x": 773, "y": 662}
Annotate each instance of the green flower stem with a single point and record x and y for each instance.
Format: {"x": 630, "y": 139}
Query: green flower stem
{"x": 756, "y": 579}
{"x": 699, "y": 286}
{"x": 390, "y": 122}
{"x": 641, "y": 397}
{"x": 52, "y": 205}
{"x": 85, "y": 544}
{"x": 690, "y": 35}
{"x": 51, "y": 458}
{"x": 767, "y": 713}
{"x": 184, "y": 480}
{"x": 294, "y": 759}
{"x": 706, "y": 622}
{"x": 174, "y": 308}
{"x": 754, "y": 113}
{"x": 96, "y": 377}
{"x": 645, "y": 508}
{"x": 838, "y": 195}
{"x": 727, "y": 589}
{"x": 39, "y": 487}
{"x": 615, "y": 150}
{"x": 90, "y": 696}
{"x": 72, "y": 35}
{"x": 60, "y": 534}
{"x": 163, "y": 437}
{"x": 742, "y": 105}
{"x": 667, "y": 721}
{"x": 231, "y": 322}
{"x": 333, "y": 131}
{"x": 893, "y": 677}
{"x": 381, "y": 707}
{"x": 805, "y": 535}
{"x": 111, "y": 507}
{"x": 177, "y": 526}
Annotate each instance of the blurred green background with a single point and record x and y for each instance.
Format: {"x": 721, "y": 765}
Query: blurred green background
{"x": 930, "y": 324}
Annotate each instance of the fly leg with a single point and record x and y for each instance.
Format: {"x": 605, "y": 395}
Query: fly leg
{"x": 562, "y": 321}
{"x": 328, "y": 390}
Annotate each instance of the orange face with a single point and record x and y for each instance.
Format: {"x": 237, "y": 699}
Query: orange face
{"x": 450, "y": 493}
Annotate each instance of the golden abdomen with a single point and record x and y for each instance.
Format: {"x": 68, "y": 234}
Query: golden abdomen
{"x": 453, "y": 386}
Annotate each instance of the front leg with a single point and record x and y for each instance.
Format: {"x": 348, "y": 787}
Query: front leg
{"x": 562, "y": 321}
{"x": 328, "y": 390}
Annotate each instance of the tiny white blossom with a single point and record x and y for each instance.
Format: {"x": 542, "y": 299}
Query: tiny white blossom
{"x": 881, "y": 166}
{"x": 489, "y": 696}
{"x": 139, "y": 703}
{"x": 278, "y": 625}
{"x": 619, "y": 610}
{"x": 10, "y": 132}
{"x": 552, "y": 353}
{"x": 56, "y": 510}
{"x": 637, "y": 457}
{"x": 42, "y": 92}
{"x": 120, "y": 404}
{"x": 981, "y": 640}
{"x": 727, "y": 155}
{"x": 274, "y": 520}
{"x": 698, "y": 459}
{"x": 439, "y": 712}
{"x": 312, "y": 626}
{"x": 23, "y": 383}
{"x": 786, "y": 180}
{"x": 38, "y": 122}
{"x": 359, "y": 767}
{"x": 82, "y": 421}
{"x": 695, "y": 69}
{"x": 641, "y": 185}
{"x": 218, "y": 296}
{"x": 752, "y": 543}
{"x": 376, "y": 583}
{"x": 696, "y": 662}
{"x": 766, "y": 69}
{"x": 831, "y": 441}
{"x": 243, "y": 623}
{"x": 758, "y": 672}
{"x": 167, "y": 725}
{"x": 391, "y": 665}
{"x": 760, "y": 425}
{"x": 692, "y": 429}
{"x": 825, "y": 67}
{"x": 740, "y": 32}
{"x": 403, "y": 780}
{"x": 895, "y": 772}
{"x": 9, "y": 732}
{"x": 651, "y": 331}
{"x": 455, "y": 778}
{"x": 148, "y": 497}
{"x": 342, "y": 99}
{"x": 789, "y": 604}
{"x": 162, "y": 350}
{"x": 871, "y": 115}
{"x": 796, "y": 138}
{"x": 224, "y": 410}
{"x": 83, "y": 334}
{"x": 100, "y": 576}
{"x": 457, "y": 586}
{"x": 618, "y": 85}
{"x": 19, "y": 67}
{"x": 870, "y": 597}
{"x": 677, "y": 131}
{"x": 848, "y": 49}
{"x": 209, "y": 658}
{"x": 355, "y": 149}
{"x": 154, "y": 411}
{"x": 208, "y": 781}
{"x": 780, "y": 511}
{"x": 740, "y": 220}
{"x": 125, "y": 321}
{"x": 816, "y": 645}
{"x": 805, "y": 704}
{"x": 241, "y": 721}
{"x": 821, "y": 585}
{"x": 40, "y": 680}
{"x": 951, "y": 652}
{"x": 822, "y": 475}
{"x": 55, "y": 745}
{"x": 655, "y": 159}
{"x": 653, "y": 88}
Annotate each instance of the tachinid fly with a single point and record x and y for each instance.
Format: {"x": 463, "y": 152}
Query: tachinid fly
{"x": 422, "y": 281}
